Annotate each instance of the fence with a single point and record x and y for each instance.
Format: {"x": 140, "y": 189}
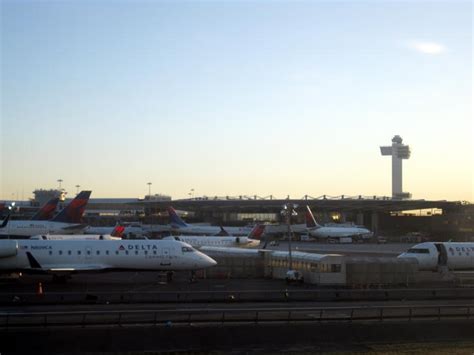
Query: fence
{"x": 11, "y": 320}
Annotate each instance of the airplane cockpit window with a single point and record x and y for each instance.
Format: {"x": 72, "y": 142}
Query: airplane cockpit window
{"x": 187, "y": 249}
{"x": 418, "y": 251}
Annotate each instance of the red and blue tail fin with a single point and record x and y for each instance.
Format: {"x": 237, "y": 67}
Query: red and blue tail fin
{"x": 73, "y": 212}
{"x": 257, "y": 232}
{"x": 47, "y": 211}
{"x": 310, "y": 220}
{"x": 118, "y": 231}
{"x": 175, "y": 220}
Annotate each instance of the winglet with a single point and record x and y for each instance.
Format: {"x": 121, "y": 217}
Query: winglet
{"x": 175, "y": 220}
{"x": 310, "y": 220}
{"x": 34, "y": 264}
{"x": 222, "y": 232}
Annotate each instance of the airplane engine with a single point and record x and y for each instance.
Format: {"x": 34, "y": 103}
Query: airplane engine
{"x": 8, "y": 248}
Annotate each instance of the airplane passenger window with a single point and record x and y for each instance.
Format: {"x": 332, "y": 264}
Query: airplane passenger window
{"x": 50, "y": 252}
{"x": 69, "y": 252}
{"x": 78, "y": 252}
{"x": 106, "y": 252}
{"x": 136, "y": 252}
{"x": 60, "y": 252}
{"x": 98, "y": 252}
{"x": 126, "y": 252}
{"x": 117, "y": 253}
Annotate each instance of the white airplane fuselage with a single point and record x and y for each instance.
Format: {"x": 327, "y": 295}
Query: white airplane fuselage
{"x": 75, "y": 237}
{"x": 339, "y": 232}
{"x": 432, "y": 255}
{"x": 30, "y": 228}
{"x": 137, "y": 230}
{"x": 230, "y": 241}
{"x": 100, "y": 255}
{"x": 210, "y": 230}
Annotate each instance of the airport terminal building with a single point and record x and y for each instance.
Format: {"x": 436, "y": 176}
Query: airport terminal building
{"x": 385, "y": 216}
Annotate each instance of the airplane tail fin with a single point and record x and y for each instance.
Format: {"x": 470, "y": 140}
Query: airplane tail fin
{"x": 5, "y": 221}
{"x": 73, "y": 212}
{"x": 47, "y": 211}
{"x": 222, "y": 233}
{"x": 175, "y": 220}
{"x": 310, "y": 220}
{"x": 257, "y": 232}
{"x": 118, "y": 231}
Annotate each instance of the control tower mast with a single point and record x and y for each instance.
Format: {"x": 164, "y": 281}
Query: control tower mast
{"x": 398, "y": 151}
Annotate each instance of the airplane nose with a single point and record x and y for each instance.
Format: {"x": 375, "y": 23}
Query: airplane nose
{"x": 210, "y": 261}
{"x": 206, "y": 261}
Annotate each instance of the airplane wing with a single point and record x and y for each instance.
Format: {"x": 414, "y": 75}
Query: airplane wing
{"x": 75, "y": 227}
{"x": 35, "y": 265}
{"x": 74, "y": 268}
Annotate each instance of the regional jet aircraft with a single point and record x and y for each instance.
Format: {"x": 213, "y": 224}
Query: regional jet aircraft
{"x": 251, "y": 240}
{"x": 116, "y": 234}
{"x": 434, "y": 256}
{"x": 318, "y": 231}
{"x": 178, "y": 225}
{"x": 64, "y": 257}
{"x": 67, "y": 221}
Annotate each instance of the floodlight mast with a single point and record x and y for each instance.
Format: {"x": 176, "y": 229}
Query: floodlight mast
{"x": 398, "y": 151}
{"x": 289, "y": 210}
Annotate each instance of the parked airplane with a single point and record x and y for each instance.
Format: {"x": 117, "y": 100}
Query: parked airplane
{"x": 178, "y": 225}
{"x": 318, "y": 231}
{"x": 434, "y": 256}
{"x": 116, "y": 234}
{"x": 67, "y": 221}
{"x": 136, "y": 229}
{"x": 251, "y": 240}
{"x": 64, "y": 257}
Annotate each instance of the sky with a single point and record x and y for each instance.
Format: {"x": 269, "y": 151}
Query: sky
{"x": 235, "y": 97}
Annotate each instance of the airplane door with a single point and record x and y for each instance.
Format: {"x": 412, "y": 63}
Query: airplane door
{"x": 165, "y": 257}
{"x": 442, "y": 254}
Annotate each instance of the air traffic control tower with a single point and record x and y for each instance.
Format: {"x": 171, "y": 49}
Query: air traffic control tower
{"x": 398, "y": 151}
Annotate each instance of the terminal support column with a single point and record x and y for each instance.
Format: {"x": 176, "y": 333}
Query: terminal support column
{"x": 375, "y": 223}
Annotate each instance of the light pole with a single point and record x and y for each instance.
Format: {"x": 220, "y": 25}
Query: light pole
{"x": 149, "y": 189}
{"x": 289, "y": 211}
{"x": 150, "y": 208}
{"x": 60, "y": 181}
{"x": 77, "y": 187}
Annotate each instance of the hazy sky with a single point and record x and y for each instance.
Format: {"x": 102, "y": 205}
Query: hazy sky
{"x": 235, "y": 97}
